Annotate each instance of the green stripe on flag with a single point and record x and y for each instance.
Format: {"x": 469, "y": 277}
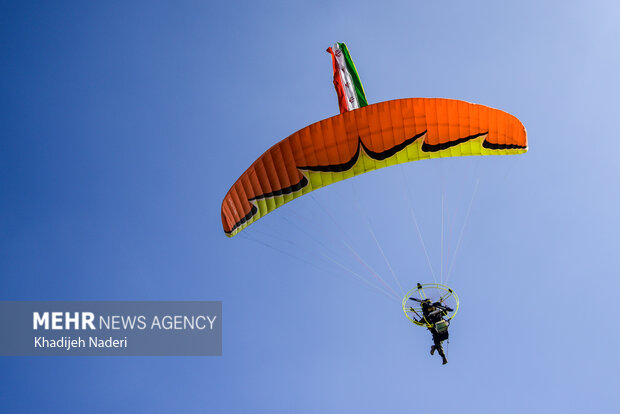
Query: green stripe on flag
{"x": 357, "y": 83}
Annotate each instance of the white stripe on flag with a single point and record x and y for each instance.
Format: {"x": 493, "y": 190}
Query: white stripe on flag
{"x": 347, "y": 82}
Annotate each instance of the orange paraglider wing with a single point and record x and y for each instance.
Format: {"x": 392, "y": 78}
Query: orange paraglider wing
{"x": 366, "y": 139}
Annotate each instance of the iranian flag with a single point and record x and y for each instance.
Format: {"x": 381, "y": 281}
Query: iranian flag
{"x": 346, "y": 80}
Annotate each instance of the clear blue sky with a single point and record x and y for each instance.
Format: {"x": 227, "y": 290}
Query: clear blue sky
{"x": 123, "y": 124}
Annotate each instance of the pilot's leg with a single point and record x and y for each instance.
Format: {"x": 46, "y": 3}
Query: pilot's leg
{"x": 437, "y": 347}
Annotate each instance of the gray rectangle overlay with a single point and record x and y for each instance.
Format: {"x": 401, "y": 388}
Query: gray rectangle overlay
{"x": 110, "y": 328}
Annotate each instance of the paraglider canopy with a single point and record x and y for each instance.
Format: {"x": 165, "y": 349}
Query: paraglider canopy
{"x": 366, "y": 139}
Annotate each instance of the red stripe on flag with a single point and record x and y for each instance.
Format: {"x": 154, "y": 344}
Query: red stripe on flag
{"x": 338, "y": 84}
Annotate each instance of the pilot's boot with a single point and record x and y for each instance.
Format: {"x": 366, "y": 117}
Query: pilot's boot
{"x": 445, "y": 360}
{"x": 433, "y": 349}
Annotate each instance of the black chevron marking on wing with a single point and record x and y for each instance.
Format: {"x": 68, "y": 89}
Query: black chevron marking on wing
{"x": 490, "y": 145}
{"x": 445, "y": 145}
{"x": 379, "y": 156}
{"x": 287, "y": 190}
{"x": 336, "y": 167}
{"x": 248, "y": 216}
